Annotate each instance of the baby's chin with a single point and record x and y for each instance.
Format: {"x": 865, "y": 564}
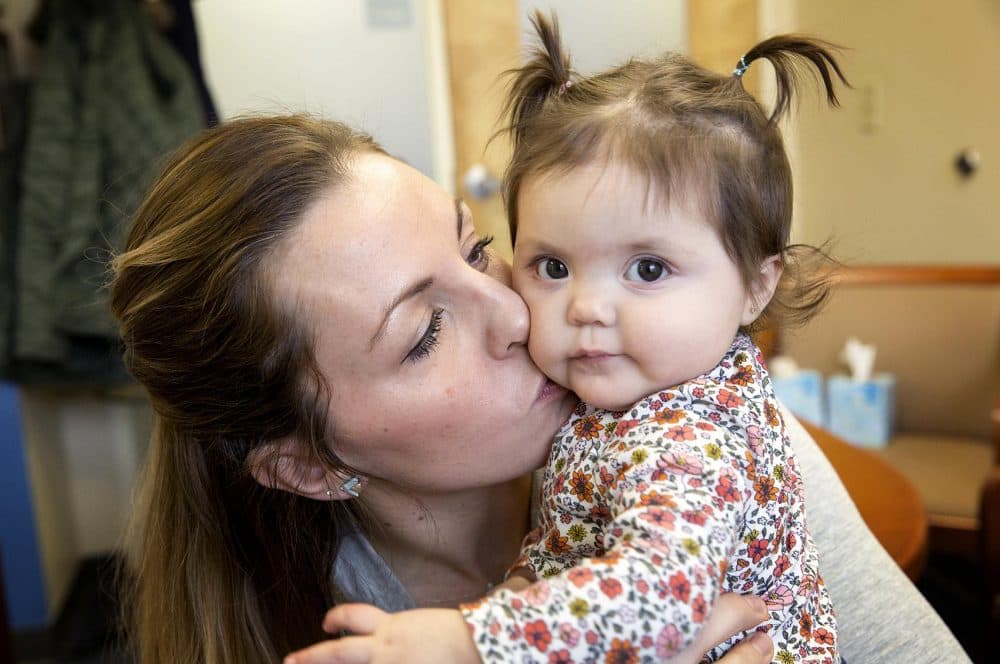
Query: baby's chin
{"x": 609, "y": 398}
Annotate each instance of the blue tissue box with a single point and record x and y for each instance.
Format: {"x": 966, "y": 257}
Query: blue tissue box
{"x": 862, "y": 412}
{"x": 803, "y": 395}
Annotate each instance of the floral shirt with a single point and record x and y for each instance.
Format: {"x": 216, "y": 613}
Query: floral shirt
{"x": 649, "y": 514}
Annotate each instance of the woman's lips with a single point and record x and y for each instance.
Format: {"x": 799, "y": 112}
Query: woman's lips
{"x": 549, "y": 390}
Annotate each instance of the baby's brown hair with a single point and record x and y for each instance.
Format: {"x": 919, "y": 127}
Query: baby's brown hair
{"x": 687, "y": 130}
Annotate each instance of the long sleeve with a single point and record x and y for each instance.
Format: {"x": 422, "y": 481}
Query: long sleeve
{"x": 656, "y": 510}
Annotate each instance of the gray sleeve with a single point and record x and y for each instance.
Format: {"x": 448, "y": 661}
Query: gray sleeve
{"x": 881, "y": 616}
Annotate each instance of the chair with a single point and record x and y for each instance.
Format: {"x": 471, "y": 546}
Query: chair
{"x": 937, "y": 328}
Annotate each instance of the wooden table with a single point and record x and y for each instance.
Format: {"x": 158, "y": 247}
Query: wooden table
{"x": 887, "y": 501}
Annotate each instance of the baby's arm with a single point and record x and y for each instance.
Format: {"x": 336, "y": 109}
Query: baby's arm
{"x": 673, "y": 513}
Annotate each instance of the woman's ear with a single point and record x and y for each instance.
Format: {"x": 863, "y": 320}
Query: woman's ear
{"x": 285, "y": 465}
{"x": 763, "y": 289}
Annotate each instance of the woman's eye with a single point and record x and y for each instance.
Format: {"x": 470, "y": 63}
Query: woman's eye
{"x": 429, "y": 339}
{"x": 647, "y": 270}
{"x": 552, "y": 268}
{"x": 478, "y": 256}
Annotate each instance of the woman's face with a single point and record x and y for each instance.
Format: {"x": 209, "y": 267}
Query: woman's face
{"x": 419, "y": 336}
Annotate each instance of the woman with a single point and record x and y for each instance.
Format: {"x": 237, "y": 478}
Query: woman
{"x": 314, "y": 320}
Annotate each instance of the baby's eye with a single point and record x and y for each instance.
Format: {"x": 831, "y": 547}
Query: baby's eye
{"x": 552, "y": 268}
{"x": 647, "y": 270}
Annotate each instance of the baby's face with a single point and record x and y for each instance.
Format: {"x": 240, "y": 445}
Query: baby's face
{"x": 627, "y": 295}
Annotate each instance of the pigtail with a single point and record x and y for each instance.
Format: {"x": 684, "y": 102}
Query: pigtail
{"x": 546, "y": 73}
{"x": 789, "y": 54}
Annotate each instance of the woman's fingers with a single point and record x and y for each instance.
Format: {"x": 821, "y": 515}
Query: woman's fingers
{"x": 354, "y": 618}
{"x": 731, "y": 614}
{"x": 347, "y": 650}
{"x": 757, "y": 649}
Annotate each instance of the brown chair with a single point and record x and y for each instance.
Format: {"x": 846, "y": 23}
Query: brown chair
{"x": 937, "y": 328}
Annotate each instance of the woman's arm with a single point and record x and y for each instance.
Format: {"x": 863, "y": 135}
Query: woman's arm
{"x": 881, "y": 616}
{"x": 441, "y": 635}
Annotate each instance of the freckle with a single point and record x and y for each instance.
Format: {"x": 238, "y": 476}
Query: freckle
{"x": 385, "y": 429}
{"x": 421, "y": 518}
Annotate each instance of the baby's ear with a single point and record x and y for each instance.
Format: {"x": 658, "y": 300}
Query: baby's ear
{"x": 287, "y": 465}
{"x": 762, "y": 290}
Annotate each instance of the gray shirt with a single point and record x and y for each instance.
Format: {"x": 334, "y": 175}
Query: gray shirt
{"x": 881, "y": 616}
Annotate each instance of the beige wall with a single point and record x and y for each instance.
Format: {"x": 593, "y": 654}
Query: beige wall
{"x": 890, "y": 193}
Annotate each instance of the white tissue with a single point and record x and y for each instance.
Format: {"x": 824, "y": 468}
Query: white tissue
{"x": 782, "y": 366}
{"x": 859, "y": 358}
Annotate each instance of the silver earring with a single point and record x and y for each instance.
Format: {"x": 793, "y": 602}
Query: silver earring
{"x": 350, "y": 487}
{"x": 329, "y": 494}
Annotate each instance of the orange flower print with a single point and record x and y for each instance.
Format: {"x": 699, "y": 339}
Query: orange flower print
{"x": 805, "y": 625}
{"x": 726, "y": 489}
{"x": 581, "y": 486}
{"x": 680, "y": 433}
{"x": 622, "y": 652}
{"x": 587, "y": 428}
{"x": 658, "y": 499}
{"x": 579, "y": 576}
{"x": 824, "y": 636}
{"x": 659, "y": 517}
{"x": 699, "y": 607}
{"x": 556, "y": 544}
{"x": 758, "y": 549}
{"x": 781, "y": 565}
{"x": 742, "y": 377}
{"x": 764, "y": 490}
{"x": 729, "y": 399}
{"x": 680, "y": 587}
{"x": 611, "y": 587}
{"x": 771, "y": 413}
{"x": 625, "y": 426}
{"x": 668, "y": 416}
{"x": 537, "y": 634}
{"x": 560, "y": 657}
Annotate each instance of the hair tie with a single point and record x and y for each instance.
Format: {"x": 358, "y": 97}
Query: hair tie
{"x": 741, "y": 67}
{"x": 564, "y": 87}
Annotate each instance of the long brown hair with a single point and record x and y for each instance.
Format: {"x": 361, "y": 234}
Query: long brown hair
{"x": 687, "y": 130}
{"x": 219, "y": 568}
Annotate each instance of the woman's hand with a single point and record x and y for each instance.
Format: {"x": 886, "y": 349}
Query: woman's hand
{"x": 441, "y": 635}
{"x": 422, "y": 635}
{"x": 730, "y": 615}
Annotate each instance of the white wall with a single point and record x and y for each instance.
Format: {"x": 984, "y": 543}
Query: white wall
{"x": 326, "y": 57}
{"x": 599, "y": 34}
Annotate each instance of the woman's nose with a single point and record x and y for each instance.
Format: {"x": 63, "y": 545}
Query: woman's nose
{"x": 507, "y": 319}
{"x": 589, "y": 307}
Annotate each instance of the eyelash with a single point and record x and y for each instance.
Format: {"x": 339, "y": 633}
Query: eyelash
{"x": 478, "y": 258}
{"x": 478, "y": 254}
{"x": 429, "y": 340}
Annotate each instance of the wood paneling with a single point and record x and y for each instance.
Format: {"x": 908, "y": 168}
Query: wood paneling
{"x": 482, "y": 42}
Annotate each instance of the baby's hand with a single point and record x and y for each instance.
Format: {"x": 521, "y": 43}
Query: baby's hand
{"x": 517, "y": 580}
{"x": 422, "y": 635}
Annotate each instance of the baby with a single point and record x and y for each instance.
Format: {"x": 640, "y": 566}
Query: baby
{"x": 650, "y": 207}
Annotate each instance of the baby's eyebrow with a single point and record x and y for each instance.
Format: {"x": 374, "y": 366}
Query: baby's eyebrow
{"x": 459, "y": 217}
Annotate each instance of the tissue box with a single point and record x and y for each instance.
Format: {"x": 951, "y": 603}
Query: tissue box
{"x": 802, "y": 393}
{"x": 861, "y": 412}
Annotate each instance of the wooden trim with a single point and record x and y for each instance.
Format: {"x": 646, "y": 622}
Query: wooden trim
{"x": 904, "y": 275}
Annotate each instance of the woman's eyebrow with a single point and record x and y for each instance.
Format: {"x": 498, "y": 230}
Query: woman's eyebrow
{"x": 413, "y": 290}
{"x": 459, "y": 217}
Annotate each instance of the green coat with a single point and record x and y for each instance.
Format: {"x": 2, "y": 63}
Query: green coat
{"x": 111, "y": 101}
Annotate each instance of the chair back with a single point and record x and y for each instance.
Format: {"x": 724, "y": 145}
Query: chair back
{"x": 936, "y": 328}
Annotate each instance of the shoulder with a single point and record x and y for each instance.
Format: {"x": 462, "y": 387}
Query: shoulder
{"x": 881, "y": 616}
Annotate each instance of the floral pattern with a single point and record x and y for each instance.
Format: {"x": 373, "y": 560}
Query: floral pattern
{"x": 649, "y": 514}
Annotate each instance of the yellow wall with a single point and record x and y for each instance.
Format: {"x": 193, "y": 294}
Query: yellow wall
{"x": 891, "y": 193}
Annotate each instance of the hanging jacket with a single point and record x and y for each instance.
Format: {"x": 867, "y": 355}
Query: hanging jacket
{"x": 111, "y": 101}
